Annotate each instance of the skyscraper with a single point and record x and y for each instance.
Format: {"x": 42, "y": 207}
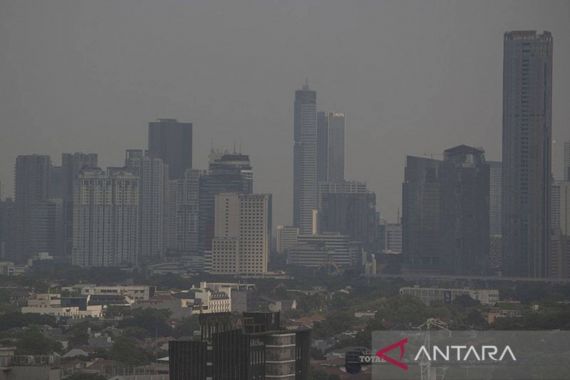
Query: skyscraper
{"x": 567, "y": 161}
{"x": 464, "y": 178}
{"x": 559, "y": 263}
{"x": 305, "y": 159}
{"x": 242, "y": 234}
{"x": 105, "y": 218}
{"x": 71, "y": 166}
{"x": 352, "y": 214}
{"x": 171, "y": 141}
{"x": 153, "y": 176}
{"x": 32, "y": 187}
{"x": 183, "y": 215}
{"x": 227, "y": 173}
{"x": 421, "y": 215}
{"x": 527, "y": 140}
{"x": 495, "y": 188}
{"x": 330, "y": 146}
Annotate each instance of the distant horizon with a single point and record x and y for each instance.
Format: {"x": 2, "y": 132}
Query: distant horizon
{"x": 412, "y": 78}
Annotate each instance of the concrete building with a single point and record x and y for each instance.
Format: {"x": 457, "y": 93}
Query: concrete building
{"x": 171, "y": 141}
{"x": 227, "y": 173}
{"x": 495, "y": 190}
{"x": 51, "y": 304}
{"x": 47, "y": 227}
{"x": 330, "y": 146}
{"x": 440, "y": 295}
{"x": 305, "y": 159}
{"x": 182, "y": 217}
{"x": 350, "y": 213}
{"x": 286, "y": 238}
{"x": 421, "y": 215}
{"x": 527, "y": 145}
{"x": 153, "y": 186}
{"x": 105, "y": 218}
{"x": 256, "y": 347}
{"x": 393, "y": 238}
{"x": 134, "y": 292}
{"x": 326, "y": 250}
{"x": 32, "y": 187}
{"x": 567, "y": 161}
{"x": 242, "y": 233}
{"x": 464, "y": 179}
{"x": 71, "y": 165}
{"x": 559, "y": 263}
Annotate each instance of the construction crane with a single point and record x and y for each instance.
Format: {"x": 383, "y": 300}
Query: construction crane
{"x": 427, "y": 371}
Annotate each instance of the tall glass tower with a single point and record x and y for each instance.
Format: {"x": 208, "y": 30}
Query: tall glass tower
{"x": 527, "y": 145}
{"x": 305, "y": 159}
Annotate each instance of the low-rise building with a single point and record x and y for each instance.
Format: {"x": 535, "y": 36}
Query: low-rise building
{"x": 51, "y": 304}
{"x": 448, "y": 295}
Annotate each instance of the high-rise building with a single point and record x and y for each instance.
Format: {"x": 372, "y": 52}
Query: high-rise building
{"x": 286, "y": 238}
{"x": 332, "y": 251}
{"x": 567, "y": 161}
{"x": 305, "y": 159}
{"x": 421, "y": 217}
{"x": 153, "y": 176}
{"x": 171, "y": 141}
{"x": 47, "y": 227}
{"x": 393, "y": 238}
{"x": 32, "y": 187}
{"x": 559, "y": 263}
{"x": 242, "y": 233}
{"x": 330, "y": 146}
{"x": 7, "y": 216}
{"x": 495, "y": 188}
{"x": 254, "y": 347}
{"x": 183, "y": 215}
{"x": 105, "y": 218}
{"x": 527, "y": 140}
{"x": 464, "y": 178}
{"x": 351, "y": 214}
{"x": 227, "y": 173}
{"x": 71, "y": 166}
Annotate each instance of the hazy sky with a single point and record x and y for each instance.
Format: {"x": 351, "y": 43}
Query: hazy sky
{"x": 413, "y": 77}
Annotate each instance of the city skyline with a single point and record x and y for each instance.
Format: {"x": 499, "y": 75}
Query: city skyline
{"x": 452, "y": 96}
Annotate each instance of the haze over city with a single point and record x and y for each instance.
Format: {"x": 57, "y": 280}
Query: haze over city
{"x": 413, "y": 77}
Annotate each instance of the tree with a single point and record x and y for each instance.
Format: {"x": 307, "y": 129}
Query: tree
{"x": 33, "y": 342}
{"x": 154, "y": 321}
{"x": 85, "y": 376}
{"x": 186, "y": 327}
{"x": 126, "y": 350}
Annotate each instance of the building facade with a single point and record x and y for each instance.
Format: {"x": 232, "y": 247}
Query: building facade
{"x": 242, "y": 233}
{"x": 305, "y": 159}
{"x": 330, "y": 146}
{"x": 105, "y": 218}
{"x": 153, "y": 186}
{"x": 171, "y": 141}
{"x": 527, "y": 143}
{"x": 287, "y": 237}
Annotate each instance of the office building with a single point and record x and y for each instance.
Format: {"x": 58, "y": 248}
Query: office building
{"x": 331, "y": 251}
{"x": 559, "y": 263}
{"x": 330, "y": 146}
{"x": 421, "y": 219}
{"x": 153, "y": 186}
{"x": 495, "y": 189}
{"x": 255, "y": 347}
{"x": 182, "y": 233}
{"x": 47, "y": 227}
{"x": 527, "y": 143}
{"x": 242, "y": 233}
{"x": 171, "y": 141}
{"x": 464, "y": 177}
{"x": 105, "y": 218}
{"x": 567, "y": 161}
{"x": 286, "y": 238}
{"x": 350, "y": 214}
{"x": 7, "y": 228}
{"x": 393, "y": 238}
{"x": 227, "y": 173}
{"x": 305, "y": 159}
{"x": 32, "y": 187}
